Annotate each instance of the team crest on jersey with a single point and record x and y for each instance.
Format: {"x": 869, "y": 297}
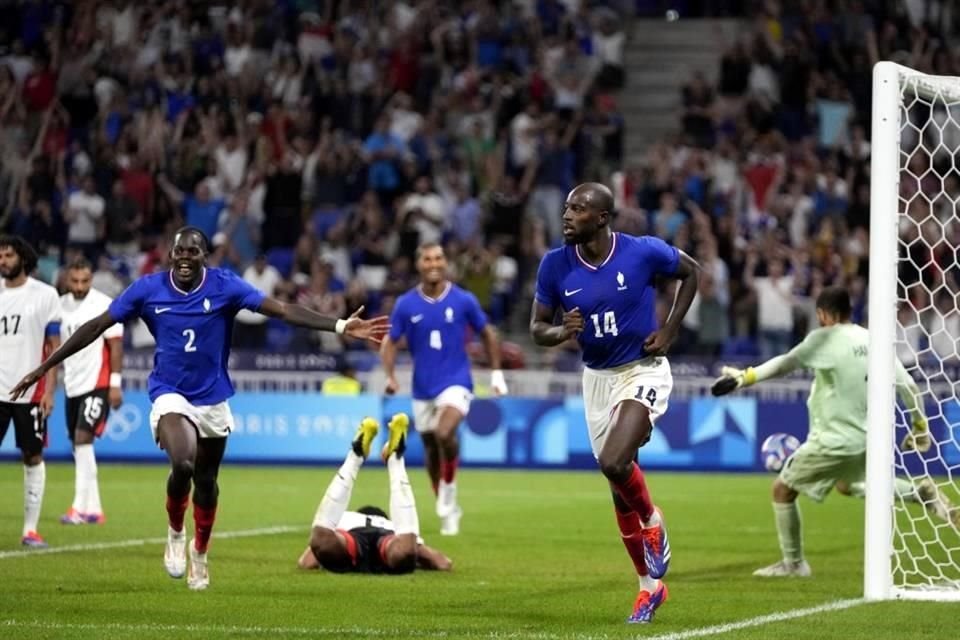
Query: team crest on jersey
{"x": 620, "y": 281}
{"x": 449, "y": 314}
{"x": 206, "y": 305}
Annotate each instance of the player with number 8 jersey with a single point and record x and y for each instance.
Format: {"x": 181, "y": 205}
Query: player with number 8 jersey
{"x": 603, "y": 283}
{"x": 189, "y": 309}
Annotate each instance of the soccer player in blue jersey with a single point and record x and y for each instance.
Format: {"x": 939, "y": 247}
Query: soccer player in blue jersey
{"x": 603, "y": 283}
{"x": 190, "y": 310}
{"x": 434, "y": 317}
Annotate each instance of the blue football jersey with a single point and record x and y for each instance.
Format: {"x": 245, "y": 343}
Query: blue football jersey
{"x": 193, "y": 330}
{"x": 436, "y": 332}
{"x": 617, "y": 298}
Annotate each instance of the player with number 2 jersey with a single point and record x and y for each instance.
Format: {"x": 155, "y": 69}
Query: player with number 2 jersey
{"x": 603, "y": 284}
{"x": 190, "y": 310}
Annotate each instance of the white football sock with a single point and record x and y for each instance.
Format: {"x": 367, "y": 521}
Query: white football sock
{"x": 86, "y": 464}
{"x": 92, "y": 505}
{"x": 34, "y": 481}
{"x": 789, "y": 530}
{"x": 79, "y": 479}
{"x": 403, "y": 508}
{"x": 337, "y": 497}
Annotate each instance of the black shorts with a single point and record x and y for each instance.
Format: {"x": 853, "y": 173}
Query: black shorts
{"x": 367, "y": 549}
{"x": 29, "y": 427}
{"x": 88, "y": 412}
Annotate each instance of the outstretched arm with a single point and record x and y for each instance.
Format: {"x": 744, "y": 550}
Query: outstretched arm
{"x": 298, "y": 315}
{"x": 83, "y": 336}
{"x": 733, "y": 378}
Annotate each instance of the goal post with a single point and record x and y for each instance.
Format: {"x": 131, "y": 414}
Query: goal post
{"x": 915, "y": 145}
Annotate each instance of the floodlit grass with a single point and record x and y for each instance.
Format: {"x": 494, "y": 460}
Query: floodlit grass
{"x": 539, "y": 557}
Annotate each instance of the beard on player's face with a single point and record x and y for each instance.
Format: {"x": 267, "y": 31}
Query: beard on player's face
{"x": 13, "y": 271}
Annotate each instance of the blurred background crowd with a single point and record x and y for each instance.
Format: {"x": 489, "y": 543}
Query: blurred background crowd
{"x": 317, "y": 143}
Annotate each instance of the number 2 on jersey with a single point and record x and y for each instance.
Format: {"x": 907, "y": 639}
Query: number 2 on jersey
{"x": 609, "y": 324}
{"x": 191, "y": 337}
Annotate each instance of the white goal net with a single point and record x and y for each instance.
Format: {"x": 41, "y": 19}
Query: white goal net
{"x": 913, "y": 550}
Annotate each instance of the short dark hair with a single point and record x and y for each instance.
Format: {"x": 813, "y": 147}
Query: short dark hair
{"x": 835, "y": 300}
{"x": 80, "y": 263}
{"x": 28, "y": 256}
{"x": 195, "y": 230}
{"x": 425, "y": 246}
{"x": 370, "y": 510}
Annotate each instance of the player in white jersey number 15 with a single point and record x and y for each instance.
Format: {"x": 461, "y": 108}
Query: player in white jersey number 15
{"x": 92, "y": 381}
{"x": 603, "y": 283}
{"x": 834, "y": 453}
{"x": 29, "y": 326}
{"x": 190, "y": 310}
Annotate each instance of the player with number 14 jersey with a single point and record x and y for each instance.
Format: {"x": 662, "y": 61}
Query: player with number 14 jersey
{"x": 603, "y": 284}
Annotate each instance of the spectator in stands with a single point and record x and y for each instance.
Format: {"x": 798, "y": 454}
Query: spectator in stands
{"x": 250, "y": 329}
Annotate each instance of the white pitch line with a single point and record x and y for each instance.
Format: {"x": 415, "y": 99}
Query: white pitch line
{"x": 119, "y": 544}
{"x": 782, "y": 616}
{"x": 368, "y": 632}
{"x": 340, "y": 632}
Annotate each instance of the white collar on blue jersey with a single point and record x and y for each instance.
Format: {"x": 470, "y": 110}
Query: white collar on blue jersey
{"x": 443, "y": 294}
{"x": 613, "y": 248}
{"x": 173, "y": 283}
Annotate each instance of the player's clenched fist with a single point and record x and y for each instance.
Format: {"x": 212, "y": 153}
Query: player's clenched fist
{"x": 572, "y": 323}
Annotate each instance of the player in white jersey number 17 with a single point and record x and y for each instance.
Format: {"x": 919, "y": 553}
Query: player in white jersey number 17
{"x": 29, "y": 326}
{"x": 834, "y": 454}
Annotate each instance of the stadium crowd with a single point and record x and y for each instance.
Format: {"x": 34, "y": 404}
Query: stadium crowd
{"x": 767, "y": 181}
{"x": 317, "y": 143}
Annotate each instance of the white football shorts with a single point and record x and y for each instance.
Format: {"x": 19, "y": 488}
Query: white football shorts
{"x": 646, "y": 381}
{"x": 211, "y": 421}
{"x": 427, "y": 412}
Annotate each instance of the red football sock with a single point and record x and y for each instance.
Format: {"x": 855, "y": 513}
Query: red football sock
{"x": 629, "y": 524}
{"x": 203, "y": 518}
{"x": 634, "y": 492}
{"x": 176, "y": 507}
{"x": 448, "y": 469}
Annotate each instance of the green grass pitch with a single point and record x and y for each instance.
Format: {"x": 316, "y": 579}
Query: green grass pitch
{"x": 539, "y": 558}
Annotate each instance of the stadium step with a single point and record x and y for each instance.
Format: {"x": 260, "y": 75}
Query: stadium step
{"x": 661, "y": 58}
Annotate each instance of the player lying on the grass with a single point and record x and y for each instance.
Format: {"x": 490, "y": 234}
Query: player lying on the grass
{"x": 834, "y": 454}
{"x": 366, "y": 541}
{"x": 189, "y": 309}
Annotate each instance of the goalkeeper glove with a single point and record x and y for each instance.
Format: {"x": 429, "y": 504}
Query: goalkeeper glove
{"x": 919, "y": 437}
{"x": 498, "y": 383}
{"x": 732, "y": 379}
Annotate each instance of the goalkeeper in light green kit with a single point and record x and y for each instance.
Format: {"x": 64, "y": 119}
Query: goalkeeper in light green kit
{"x": 834, "y": 454}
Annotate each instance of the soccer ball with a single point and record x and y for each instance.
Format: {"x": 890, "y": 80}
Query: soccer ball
{"x": 776, "y": 449}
